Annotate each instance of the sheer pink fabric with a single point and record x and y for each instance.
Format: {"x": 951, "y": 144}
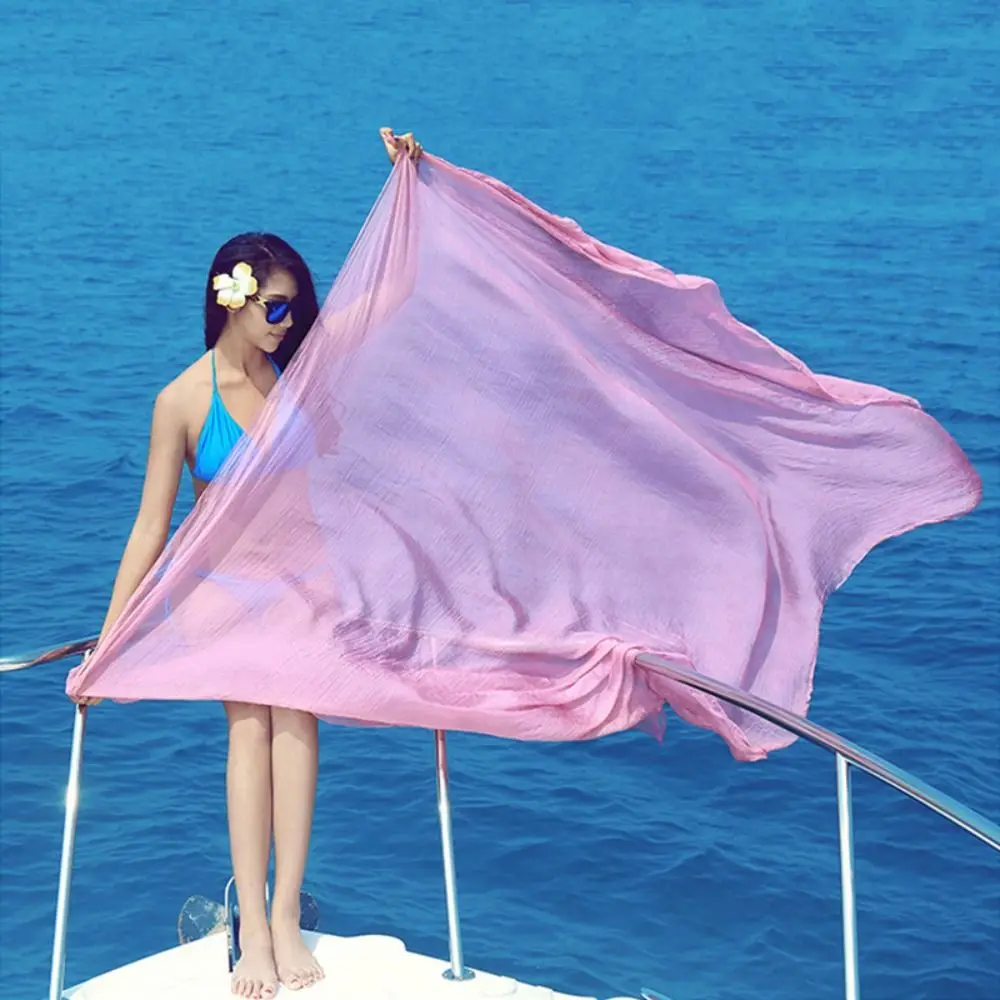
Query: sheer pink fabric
{"x": 507, "y": 459}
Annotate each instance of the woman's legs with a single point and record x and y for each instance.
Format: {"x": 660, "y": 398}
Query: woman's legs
{"x": 248, "y": 797}
{"x": 294, "y": 766}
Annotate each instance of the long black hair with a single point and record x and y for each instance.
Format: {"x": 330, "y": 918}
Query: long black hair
{"x": 265, "y": 253}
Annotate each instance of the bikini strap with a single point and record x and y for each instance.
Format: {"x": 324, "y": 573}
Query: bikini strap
{"x": 215, "y": 384}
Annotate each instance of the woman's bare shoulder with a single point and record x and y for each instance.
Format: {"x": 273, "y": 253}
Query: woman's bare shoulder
{"x": 187, "y": 390}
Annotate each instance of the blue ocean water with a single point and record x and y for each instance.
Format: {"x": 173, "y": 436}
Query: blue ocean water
{"x": 828, "y": 165}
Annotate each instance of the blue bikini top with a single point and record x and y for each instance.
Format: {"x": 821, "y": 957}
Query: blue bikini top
{"x": 219, "y": 433}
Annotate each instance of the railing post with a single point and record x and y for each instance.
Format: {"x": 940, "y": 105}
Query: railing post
{"x": 457, "y": 971}
{"x": 58, "y": 973}
{"x": 852, "y": 986}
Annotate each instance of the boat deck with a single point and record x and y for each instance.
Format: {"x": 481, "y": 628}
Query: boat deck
{"x": 371, "y": 967}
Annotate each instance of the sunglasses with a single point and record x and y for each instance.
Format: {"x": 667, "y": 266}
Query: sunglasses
{"x": 275, "y": 310}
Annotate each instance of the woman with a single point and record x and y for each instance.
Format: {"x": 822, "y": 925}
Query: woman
{"x": 259, "y": 304}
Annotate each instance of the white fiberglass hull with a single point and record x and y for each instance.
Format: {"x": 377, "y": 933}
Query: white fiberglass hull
{"x": 372, "y": 967}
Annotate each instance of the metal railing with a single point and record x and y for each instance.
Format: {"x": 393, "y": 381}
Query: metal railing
{"x": 847, "y": 755}
{"x": 77, "y": 648}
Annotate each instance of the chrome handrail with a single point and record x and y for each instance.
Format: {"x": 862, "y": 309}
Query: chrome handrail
{"x": 57, "y": 972}
{"x": 960, "y": 814}
{"x": 24, "y": 662}
{"x": 846, "y": 753}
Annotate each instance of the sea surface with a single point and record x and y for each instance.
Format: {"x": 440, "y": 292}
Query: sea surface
{"x": 831, "y": 165}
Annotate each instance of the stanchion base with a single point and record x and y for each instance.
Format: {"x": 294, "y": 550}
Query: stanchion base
{"x": 465, "y": 974}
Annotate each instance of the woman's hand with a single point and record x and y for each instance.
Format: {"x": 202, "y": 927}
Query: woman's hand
{"x": 82, "y": 699}
{"x": 85, "y": 700}
{"x": 395, "y": 144}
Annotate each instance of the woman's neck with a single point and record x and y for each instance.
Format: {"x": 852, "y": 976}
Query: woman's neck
{"x": 239, "y": 354}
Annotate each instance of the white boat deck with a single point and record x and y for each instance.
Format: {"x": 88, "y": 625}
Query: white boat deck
{"x": 371, "y": 967}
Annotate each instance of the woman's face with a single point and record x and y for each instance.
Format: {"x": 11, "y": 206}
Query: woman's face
{"x": 251, "y": 320}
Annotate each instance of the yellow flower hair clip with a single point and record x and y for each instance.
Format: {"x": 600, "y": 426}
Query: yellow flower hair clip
{"x": 234, "y": 289}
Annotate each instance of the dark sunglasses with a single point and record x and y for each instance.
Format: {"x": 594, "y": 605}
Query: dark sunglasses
{"x": 275, "y": 310}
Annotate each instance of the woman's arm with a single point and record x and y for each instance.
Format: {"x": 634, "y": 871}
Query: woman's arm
{"x": 167, "y": 446}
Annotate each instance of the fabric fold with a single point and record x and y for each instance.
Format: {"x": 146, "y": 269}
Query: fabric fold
{"x": 507, "y": 459}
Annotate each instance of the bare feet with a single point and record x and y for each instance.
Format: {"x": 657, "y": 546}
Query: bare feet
{"x": 297, "y": 968}
{"x": 255, "y": 975}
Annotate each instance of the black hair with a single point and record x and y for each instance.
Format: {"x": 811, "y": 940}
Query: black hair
{"x": 265, "y": 253}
